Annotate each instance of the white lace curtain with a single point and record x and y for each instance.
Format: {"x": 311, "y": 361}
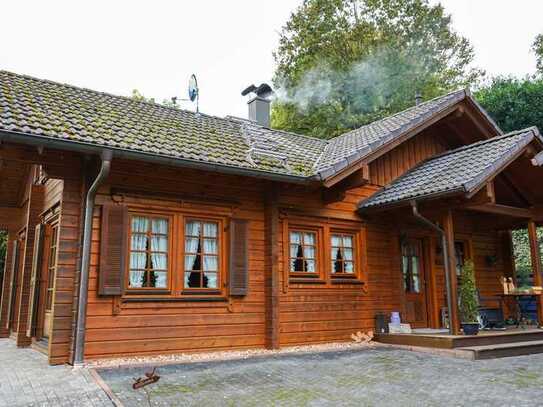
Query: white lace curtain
{"x": 139, "y": 247}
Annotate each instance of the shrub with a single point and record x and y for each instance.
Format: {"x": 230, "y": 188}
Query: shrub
{"x": 468, "y": 298}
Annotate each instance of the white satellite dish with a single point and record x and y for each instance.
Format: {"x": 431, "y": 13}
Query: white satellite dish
{"x": 194, "y": 92}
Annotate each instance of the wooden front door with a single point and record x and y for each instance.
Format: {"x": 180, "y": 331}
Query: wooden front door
{"x": 414, "y": 283}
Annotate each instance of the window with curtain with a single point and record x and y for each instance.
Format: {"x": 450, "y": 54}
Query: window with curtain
{"x": 342, "y": 254}
{"x": 303, "y": 245}
{"x": 148, "y": 263}
{"x": 411, "y": 267}
{"x": 201, "y": 254}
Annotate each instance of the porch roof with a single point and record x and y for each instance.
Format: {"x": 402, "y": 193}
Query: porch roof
{"x": 463, "y": 170}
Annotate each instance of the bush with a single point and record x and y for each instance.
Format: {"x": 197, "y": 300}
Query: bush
{"x": 469, "y": 303}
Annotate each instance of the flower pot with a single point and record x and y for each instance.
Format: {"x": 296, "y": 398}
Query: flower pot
{"x": 470, "y": 329}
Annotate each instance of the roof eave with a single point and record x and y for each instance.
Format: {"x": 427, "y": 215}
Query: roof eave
{"x": 405, "y": 201}
{"x": 88, "y": 148}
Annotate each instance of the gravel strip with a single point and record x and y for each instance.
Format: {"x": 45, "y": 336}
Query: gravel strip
{"x": 222, "y": 355}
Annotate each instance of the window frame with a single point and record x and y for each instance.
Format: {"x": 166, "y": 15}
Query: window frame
{"x": 176, "y": 252}
{"x": 318, "y": 249}
{"x": 356, "y": 261}
{"x": 324, "y": 278}
{"x": 221, "y": 254}
{"x": 169, "y": 273}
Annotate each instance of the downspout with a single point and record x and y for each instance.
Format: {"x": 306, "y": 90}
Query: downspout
{"x": 85, "y": 257}
{"x": 444, "y": 244}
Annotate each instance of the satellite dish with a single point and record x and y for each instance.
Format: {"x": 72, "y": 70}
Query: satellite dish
{"x": 194, "y": 91}
{"x": 193, "y": 88}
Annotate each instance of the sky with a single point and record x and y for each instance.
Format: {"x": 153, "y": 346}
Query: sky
{"x": 154, "y": 46}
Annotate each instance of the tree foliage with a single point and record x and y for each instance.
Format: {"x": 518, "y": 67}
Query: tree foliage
{"x": 537, "y": 47}
{"x": 344, "y": 63}
{"x": 513, "y": 103}
{"x": 137, "y": 95}
{"x": 523, "y": 259}
{"x": 516, "y": 104}
{"x": 467, "y": 294}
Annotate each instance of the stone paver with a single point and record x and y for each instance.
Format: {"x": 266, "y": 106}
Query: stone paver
{"x": 370, "y": 377}
{"x": 27, "y": 380}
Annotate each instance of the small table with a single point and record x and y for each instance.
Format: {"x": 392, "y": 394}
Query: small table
{"x": 522, "y": 312}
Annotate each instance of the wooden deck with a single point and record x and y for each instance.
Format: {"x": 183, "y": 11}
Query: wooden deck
{"x": 486, "y": 345}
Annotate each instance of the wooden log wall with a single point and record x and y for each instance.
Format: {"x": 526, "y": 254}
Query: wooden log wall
{"x": 404, "y": 157}
{"x": 117, "y": 327}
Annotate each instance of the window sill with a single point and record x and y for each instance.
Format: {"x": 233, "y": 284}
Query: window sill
{"x": 353, "y": 281}
{"x": 175, "y": 299}
{"x": 201, "y": 292}
{"x": 304, "y": 280}
{"x": 143, "y": 291}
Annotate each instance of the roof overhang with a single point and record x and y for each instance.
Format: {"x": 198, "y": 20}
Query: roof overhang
{"x": 41, "y": 142}
{"x": 469, "y": 189}
{"x": 467, "y": 105}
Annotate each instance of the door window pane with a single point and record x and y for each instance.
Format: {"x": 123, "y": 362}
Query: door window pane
{"x": 411, "y": 266}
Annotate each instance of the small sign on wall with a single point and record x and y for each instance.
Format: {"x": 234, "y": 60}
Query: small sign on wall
{"x": 399, "y": 328}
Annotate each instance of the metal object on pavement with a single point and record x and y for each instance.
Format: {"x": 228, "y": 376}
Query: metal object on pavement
{"x": 150, "y": 378}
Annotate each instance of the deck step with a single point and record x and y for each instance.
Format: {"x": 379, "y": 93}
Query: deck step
{"x": 504, "y": 350}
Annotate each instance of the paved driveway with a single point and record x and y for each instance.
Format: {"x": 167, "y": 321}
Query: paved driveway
{"x": 27, "y": 380}
{"x": 372, "y": 377}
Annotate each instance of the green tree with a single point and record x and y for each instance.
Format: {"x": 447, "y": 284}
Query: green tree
{"x": 137, "y": 95}
{"x": 523, "y": 259}
{"x": 515, "y": 104}
{"x": 537, "y": 47}
{"x": 344, "y": 63}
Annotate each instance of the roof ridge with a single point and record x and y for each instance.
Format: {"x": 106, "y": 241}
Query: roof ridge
{"x": 465, "y": 90}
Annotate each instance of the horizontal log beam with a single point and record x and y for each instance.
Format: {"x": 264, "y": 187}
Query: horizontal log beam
{"x": 502, "y": 210}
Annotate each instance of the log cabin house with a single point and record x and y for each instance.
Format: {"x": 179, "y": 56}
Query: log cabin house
{"x": 139, "y": 229}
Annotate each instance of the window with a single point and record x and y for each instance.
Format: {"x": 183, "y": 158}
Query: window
{"x": 303, "y": 249}
{"x": 51, "y": 268}
{"x": 149, "y": 242}
{"x": 342, "y": 254}
{"x": 411, "y": 266}
{"x": 201, "y": 254}
{"x": 460, "y": 254}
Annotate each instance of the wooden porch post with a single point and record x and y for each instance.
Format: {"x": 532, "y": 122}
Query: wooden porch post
{"x": 35, "y": 206}
{"x": 4, "y": 295}
{"x": 448, "y": 227}
{"x": 536, "y": 265}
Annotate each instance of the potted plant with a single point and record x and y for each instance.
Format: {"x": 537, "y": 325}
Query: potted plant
{"x": 468, "y": 300}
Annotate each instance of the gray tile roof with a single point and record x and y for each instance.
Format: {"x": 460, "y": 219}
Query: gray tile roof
{"x": 46, "y": 110}
{"x": 457, "y": 171}
{"x": 362, "y": 141}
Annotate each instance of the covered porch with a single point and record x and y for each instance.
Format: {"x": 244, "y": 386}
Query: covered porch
{"x": 464, "y": 205}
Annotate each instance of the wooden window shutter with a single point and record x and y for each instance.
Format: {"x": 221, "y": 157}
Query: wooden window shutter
{"x": 37, "y": 256}
{"x": 13, "y": 282}
{"x": 112, "y": 249}
{"x": 239, "y": 257}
